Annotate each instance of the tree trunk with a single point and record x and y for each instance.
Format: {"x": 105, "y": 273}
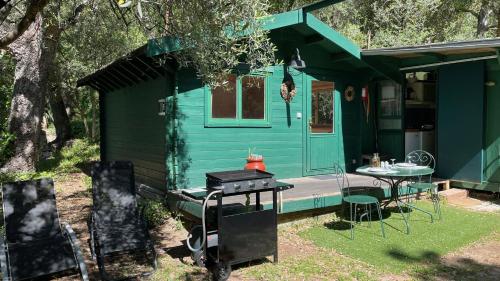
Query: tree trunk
{"x": 61, "y": 118}
{"x": 52, "y": 37}
{"x": 28, "y": 100}
{"x": 482, "y": 20}
{"x": 498, "y": 22}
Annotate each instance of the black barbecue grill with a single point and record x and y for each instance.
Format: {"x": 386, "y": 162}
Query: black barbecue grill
{"x": 247, "y": 234}
{"x": 230, "y": 182}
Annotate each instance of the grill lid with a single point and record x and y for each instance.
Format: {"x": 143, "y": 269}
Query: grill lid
{"x": 238, "y": 175}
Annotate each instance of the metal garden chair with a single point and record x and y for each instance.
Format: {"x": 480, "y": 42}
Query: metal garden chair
{"x": 424, "y": 183}
{"x": 34, "y": 243}
{"x": 117, "y": 226}
{"x": 356, "y": 196}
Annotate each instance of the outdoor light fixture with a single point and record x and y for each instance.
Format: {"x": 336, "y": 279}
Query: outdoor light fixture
{"x": 162, "y": 107}
{"x": 296, "y": 62}
{"x": 490, "y": 83}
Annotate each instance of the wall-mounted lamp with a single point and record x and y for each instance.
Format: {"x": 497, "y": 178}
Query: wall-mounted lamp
{"x": 296, "y": 61}
{"x": 162, "y": 107}
{"x": 490, "y": 83}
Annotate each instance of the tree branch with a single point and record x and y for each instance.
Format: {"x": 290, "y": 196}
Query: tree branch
{"x": 463, "y": 10}
{"x": 5, "y": 10}
{"x": 29, "y": 17}
{"x": 75, "y": 16}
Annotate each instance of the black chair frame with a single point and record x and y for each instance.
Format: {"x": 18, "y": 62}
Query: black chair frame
{"x": 96, "y": 247}
{"x": 64, "y": 229}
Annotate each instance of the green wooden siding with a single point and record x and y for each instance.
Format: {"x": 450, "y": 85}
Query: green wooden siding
{"x": 460, "y": 121}
{"x": 134, "y": 131}
{"x": 492, "y": 136}
{"x": 200, "y": 149}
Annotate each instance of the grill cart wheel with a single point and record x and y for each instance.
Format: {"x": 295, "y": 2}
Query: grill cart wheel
{"x": 198, "y": 258}
{"x": 221, "y": 271}
{"x": 195, "y": 240}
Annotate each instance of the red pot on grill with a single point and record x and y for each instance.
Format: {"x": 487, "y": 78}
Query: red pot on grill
{"x": 253, "y": 163}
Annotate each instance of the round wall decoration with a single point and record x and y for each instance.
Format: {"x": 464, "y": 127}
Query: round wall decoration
{"x": 349, "y": 93}
{"x": 287, "y": 90}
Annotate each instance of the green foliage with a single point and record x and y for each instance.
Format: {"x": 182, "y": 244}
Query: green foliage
{"x": 78, "y": 129}
{"x": 6, "y": 150}
{"x": 6, "y": 86}
{"x": 216, "y": 36}
{"x": 6, "y": 89}
{"x": 71, "y": 159}
{"x": 391, "y": 23}
{"x": 95, "y": 40}
{"x": 154, "y": 212}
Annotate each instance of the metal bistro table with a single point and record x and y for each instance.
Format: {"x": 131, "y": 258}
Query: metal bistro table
{"x": 395, "y": 177}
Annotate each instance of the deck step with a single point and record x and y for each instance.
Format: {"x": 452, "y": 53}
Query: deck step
{"x": 454, "y": 194}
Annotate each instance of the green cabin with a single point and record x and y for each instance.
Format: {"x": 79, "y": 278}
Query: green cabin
{"x": 175, "y": 129}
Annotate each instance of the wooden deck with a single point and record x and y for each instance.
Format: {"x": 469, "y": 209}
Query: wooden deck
{"x": 311, "y": 193}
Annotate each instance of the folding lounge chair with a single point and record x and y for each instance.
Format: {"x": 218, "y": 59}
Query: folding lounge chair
{"x": 35, "y": 244}
{"x": 116, "y": 225}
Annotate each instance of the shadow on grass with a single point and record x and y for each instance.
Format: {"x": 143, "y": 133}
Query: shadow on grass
{"x": 79, "y": 194}
{"x": 436, "y": 269}
{"x": 426, "y": 256}
{"x": 251, "y": 263}
{"x": 338, "y": 225}
{"x": 343, "y": 225}
{"x": 179, "y": 252}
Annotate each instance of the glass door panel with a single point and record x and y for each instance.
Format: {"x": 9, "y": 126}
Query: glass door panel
{"x": 322, "y": 106}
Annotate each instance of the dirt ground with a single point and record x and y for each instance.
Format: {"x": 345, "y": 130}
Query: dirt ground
{"x": 480, "y": 261}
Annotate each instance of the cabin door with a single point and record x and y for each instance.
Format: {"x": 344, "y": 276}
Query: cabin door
{"x": 321, "y": 136}
{"x": 390, "y": 134}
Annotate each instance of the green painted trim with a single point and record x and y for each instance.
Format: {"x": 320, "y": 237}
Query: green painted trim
{"x": 163, "y": 45}
{"x": 485, "y": 186}
{"x": 239, "y": 121}
{"x": 282, "y": 20}
{"x": 336, "y": 134}
{"x": 332, "y": 35}
{"x": 289, "y": 206}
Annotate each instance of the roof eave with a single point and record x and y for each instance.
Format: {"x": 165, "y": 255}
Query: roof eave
{"x": 463, "y": 45}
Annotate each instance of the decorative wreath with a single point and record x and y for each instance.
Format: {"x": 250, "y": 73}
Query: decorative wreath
{"x": 349, "y": 93}
{"x": 288, "y": 91}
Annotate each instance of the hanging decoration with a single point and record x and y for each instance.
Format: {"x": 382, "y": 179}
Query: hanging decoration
{"x": 349, "y": 93}
{"x": 288, "y": 91}
{"x": 365, "y": 96}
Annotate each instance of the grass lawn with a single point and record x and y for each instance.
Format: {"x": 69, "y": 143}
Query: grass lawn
{"x": 399, "y": 252}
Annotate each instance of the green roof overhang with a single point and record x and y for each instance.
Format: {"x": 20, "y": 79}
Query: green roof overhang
{"x": 432, "y": 56}
{"x": 300, "y": 16}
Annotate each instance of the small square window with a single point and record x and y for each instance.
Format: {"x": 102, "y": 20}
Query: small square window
{"x": 241, "y": 102}
{"x": 224, "y": 99}
{"x": 253, "y": 100}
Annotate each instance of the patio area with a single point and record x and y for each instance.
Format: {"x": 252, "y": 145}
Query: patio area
{"x": 308, "y": 193}
{"x": 465, "y": 245}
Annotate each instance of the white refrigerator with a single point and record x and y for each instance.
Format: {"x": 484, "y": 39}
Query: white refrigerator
{"x": 420, "y": 140}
